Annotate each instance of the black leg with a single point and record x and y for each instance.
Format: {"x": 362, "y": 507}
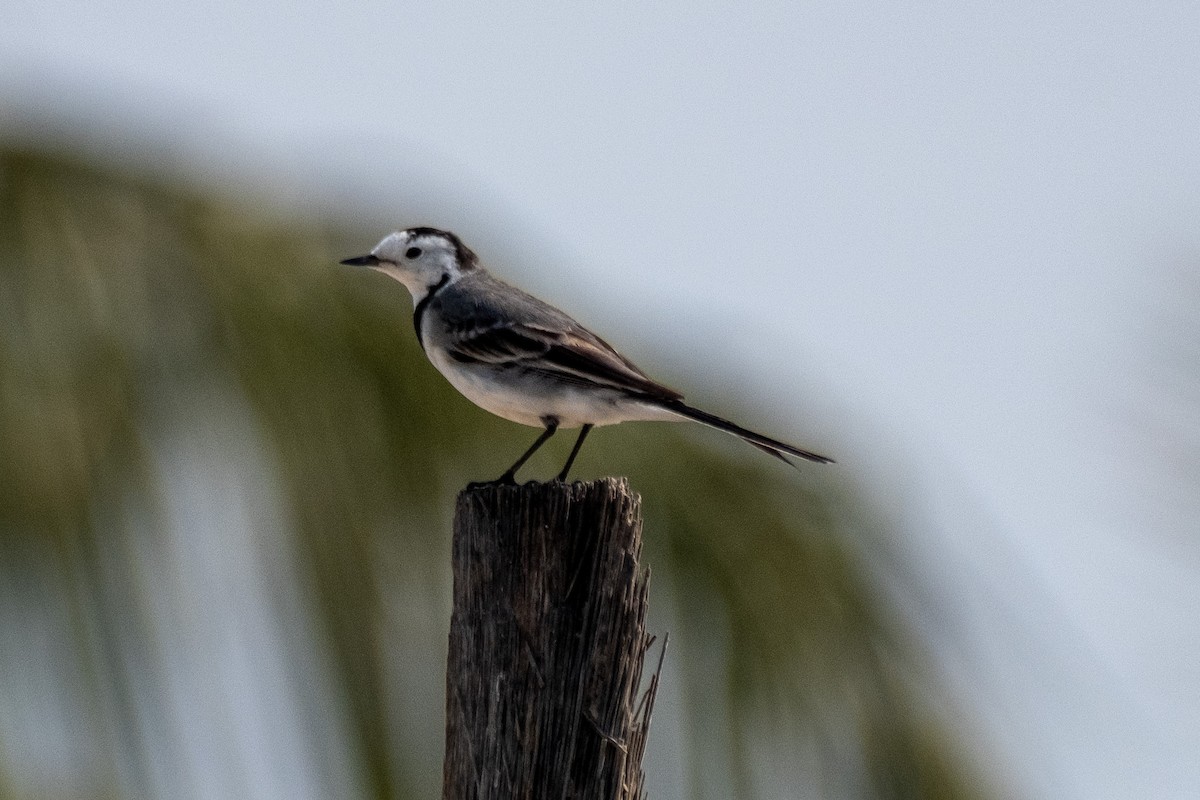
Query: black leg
{"x": 510, "y": 474}
{"x": 583, "y": 432}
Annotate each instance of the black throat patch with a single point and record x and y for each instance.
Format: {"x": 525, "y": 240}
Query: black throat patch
{"x": 419, "y": 311}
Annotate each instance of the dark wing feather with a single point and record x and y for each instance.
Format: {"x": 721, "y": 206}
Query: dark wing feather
{"x": 497, "y": 345}
{"x": 575, "y": 356}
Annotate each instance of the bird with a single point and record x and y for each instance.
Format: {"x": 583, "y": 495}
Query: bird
{"x": 523, "y": 359}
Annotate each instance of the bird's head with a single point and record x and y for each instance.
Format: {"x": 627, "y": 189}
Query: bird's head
{"x": 420, "y": 258}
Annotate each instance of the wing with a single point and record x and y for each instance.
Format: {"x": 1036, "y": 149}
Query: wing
{"x": 486, "y": 321}
{"x": 574, "y": 355}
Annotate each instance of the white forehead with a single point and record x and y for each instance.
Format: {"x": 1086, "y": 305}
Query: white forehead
{"x": 391, "y": 243}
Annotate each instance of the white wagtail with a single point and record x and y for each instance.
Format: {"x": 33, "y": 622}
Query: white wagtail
{"x": 522, "y": 359}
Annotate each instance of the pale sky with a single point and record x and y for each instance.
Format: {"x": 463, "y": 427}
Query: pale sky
{"x": 937, "y": 239}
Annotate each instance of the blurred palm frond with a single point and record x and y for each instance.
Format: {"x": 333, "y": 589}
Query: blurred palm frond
{"x": 225, "y": 492}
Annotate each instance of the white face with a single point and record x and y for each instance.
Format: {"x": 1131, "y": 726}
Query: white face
{"x": 419, "y": 258}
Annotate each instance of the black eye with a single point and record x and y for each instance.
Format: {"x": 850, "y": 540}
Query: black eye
{"x": 412, "y": 252}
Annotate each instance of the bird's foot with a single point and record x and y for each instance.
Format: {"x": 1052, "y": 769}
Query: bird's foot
{"x": 507, "y": 479}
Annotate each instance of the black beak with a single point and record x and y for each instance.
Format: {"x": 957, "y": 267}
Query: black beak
{"x": 361, "y": 261}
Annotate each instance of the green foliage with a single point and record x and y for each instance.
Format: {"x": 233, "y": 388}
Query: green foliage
{"x": 116, "y": 292}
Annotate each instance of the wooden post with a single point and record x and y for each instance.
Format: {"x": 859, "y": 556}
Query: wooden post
{"x": 547, "y": 641}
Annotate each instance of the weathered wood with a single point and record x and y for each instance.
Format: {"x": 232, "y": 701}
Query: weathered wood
{"x": 547, "y": 641}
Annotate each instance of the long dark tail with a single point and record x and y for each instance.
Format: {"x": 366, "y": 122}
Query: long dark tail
{"x": 765, "y": 443}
